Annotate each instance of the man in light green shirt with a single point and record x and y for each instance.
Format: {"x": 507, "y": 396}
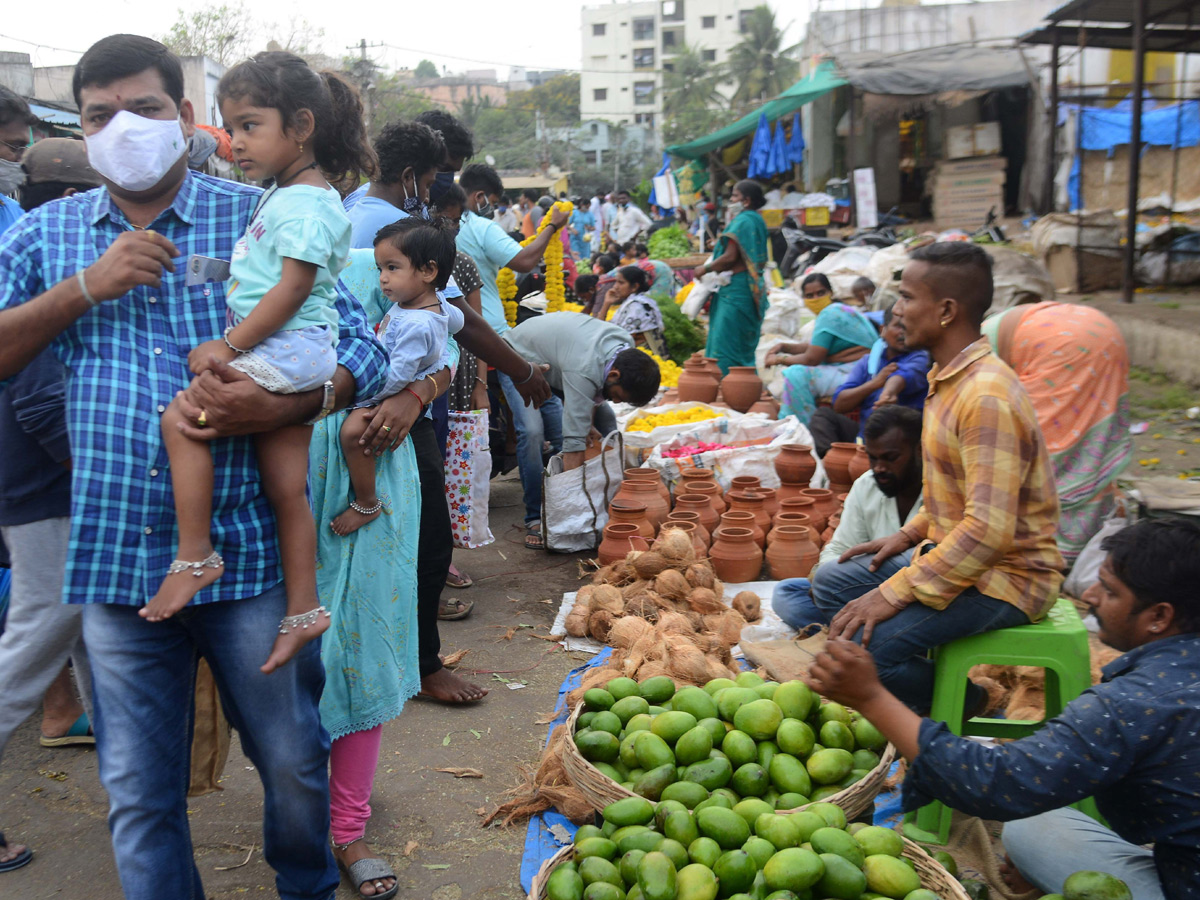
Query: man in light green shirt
{"x": 880, "y": 502}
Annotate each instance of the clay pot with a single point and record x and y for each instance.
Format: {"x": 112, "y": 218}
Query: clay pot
{"x": 689, "y": 528}
{"x": 693, "y": 474}
{"x": 770, "y": 500}
{"x": 713, "y": 368}
{"x": 797, "y": 504}
{"x": 622, "y": 511}
{"x": 652, "y": 475}
{"x": 841, "y": 501}
{"x": 742, "y": 387}
{"x": 792, "y": 554}
{"x": 689, "y": 517}
{"x": 735, "y": 556}
{"x": 701, "y": 504}
{"x": 787, "y": 491}
{"x": 619, "y": 539}
{"x": 745, "y": 483}
{"x": 834, "y": 521}
{"x": 751, "y": 501}
{"x": 860, "y": 464}
{"x": 645, "y": 492}
{"x": 794, "y": 464}
{"x": 741, "y": 518}
{"x": 824, "y": 505}
{"x": 787, "y": 518}
{"x": 767, "y": 405}
{"x": 837, "y": 463}
{"x": 671, "y": 396}
{"x": 712, "y": 491}
{"x": 696, "y": 383}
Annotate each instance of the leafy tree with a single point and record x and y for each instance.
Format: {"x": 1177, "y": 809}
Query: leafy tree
{"x": 426, "y": 69}
{"x": 395, "y": 102}
{"x": 470, "y": 109}
{"x": 223, "y": 32}
{"x": 557, "y": 100}
{"x": 692, "y": 105}
{"x": 758, "y": 65}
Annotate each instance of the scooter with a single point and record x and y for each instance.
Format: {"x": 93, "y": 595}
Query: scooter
{"x": 806, "y": 250}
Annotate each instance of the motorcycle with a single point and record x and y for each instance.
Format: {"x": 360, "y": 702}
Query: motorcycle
{"x": 805, "y": 250}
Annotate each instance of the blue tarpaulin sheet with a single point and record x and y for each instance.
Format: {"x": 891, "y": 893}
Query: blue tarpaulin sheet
{"x": 540, "y": 844}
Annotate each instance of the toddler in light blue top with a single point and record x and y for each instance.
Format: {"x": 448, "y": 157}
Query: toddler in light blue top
{"x": 294, "y": 127}
{"x": 415, "y": 258}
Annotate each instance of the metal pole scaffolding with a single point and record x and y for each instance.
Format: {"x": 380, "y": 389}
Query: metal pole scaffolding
{"x": 1135, "y": 145}
{"x": 1052, "y": 138}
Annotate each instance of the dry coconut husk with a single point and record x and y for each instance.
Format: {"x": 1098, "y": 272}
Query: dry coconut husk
{"x": 671, "y": 585}
{"x": 705, "y": 602}
{"x": 685, "y": 660}
{"x": 604, "y": 575}
{"x": 695, "y": 618}
{"x": 674, "y": 623}
{"x": 661, "y": 602}
{"x": 676, "y": 547}
{"x": 749, "y": 605}
{"x": 718, "y": 588}
{"x": 626, "y": 630}
{"x": 700, "y": 574}
{"x": 727, "y": 626}
{"x": 547, "y": 787}
{"x": 652, "y": 669}
{"x": 577, "y": 619}
{"x": 623, "y": 573}
{"x": 649, "y": 647}
{"x": 649, "y": 564}
{"x": 644, "y": 606}
{"x": 608, "y": 598}
{"x": 600, "y": 622}
{"x": 634, "y": 590}
{"x": 597, "y": 677}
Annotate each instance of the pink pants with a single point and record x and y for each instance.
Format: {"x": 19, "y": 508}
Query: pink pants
{"x": 352, "y": 762}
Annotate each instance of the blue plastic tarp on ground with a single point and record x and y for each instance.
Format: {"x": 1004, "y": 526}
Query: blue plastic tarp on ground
{"x": 541, "y": 845}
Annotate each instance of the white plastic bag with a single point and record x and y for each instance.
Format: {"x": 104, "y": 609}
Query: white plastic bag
{"x": 575, "y": 503}
{"x": 705, "y": 287}
{"x": 468, "y": 474}
{"x": 1086, "y": 570}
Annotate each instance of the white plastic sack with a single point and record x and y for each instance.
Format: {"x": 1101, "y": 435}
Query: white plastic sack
{"x": 640, "y": 444}
{"x": 844, "y": 268}
{"x": 468, "y": 478}
{"x": 754, "y": 441}
{"x": 706, "y": 286}
{"x": 575, "y": 503}
{"x": 1086, "y": 570}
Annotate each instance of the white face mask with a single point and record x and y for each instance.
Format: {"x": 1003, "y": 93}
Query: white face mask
{"x": 134, "y": 152}
{"x": 12, "y": 176}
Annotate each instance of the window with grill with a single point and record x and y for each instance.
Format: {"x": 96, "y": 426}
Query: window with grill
{"x": 643, "y": 58}
{"x": 643, "y": 29}
{"x": 599, "y": 94}
{"x": 599, "y": 29}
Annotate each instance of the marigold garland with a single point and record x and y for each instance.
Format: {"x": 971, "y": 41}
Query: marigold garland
{"x": 556, "y": 291}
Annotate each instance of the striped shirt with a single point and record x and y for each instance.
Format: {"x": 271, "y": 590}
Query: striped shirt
{"x": 991, "y": 508}
{"x": 125, "y": 360}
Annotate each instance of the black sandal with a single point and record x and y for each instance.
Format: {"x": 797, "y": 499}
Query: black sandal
{"x": 21, "y": 859}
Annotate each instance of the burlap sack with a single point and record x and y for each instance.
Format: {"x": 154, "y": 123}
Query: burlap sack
{"x": 210, "y": 739}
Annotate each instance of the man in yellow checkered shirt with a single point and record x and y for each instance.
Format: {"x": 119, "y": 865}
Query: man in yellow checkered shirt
{"x": 981, "y": 553}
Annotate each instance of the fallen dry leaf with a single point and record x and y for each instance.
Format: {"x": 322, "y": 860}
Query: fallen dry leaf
{"x": 545, "y": 637}
{"x": 455, "y": 658}
{"x": 410, "y": 847}
{"x": 507, "y": 636}
{"x": 549, "y": 717}
{"x": 481, "y": 811}
{"x": 461, "y": 772}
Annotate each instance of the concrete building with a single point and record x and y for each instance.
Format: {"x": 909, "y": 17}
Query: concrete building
{"x": 628, "y": 46}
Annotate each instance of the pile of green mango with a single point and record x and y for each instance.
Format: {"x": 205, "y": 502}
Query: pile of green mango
{"x": 665, "y": 851}
{"x": 748, "y": 745}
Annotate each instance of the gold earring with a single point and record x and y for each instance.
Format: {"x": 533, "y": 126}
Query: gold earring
{"x": 945, "y": 323}
{"x": 301, "y": 146}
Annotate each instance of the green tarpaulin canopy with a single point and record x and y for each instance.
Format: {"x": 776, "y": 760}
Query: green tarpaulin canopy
{"x": 822, "y": 80}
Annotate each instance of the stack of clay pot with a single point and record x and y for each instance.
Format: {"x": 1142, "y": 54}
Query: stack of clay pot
{"x": 700, "y": 380}
{"x": 843, "y": 463}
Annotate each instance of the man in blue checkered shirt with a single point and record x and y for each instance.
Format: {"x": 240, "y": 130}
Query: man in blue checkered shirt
{"x": 100, "y": 277}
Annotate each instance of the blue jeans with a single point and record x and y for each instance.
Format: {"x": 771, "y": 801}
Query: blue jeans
{"x": 792, "y": 602}
{"x": 143, "y": 675}
{"x": 1048, "y": 848}
{"x": 900, "y": 644}
{"x": 533, "y": 427}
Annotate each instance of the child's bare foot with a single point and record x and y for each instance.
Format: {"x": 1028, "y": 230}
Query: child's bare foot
{"x": 1013, "y": 878}
{"x": 354, "y": 518}
{"x": 294, "y": 633}
{"x": 184, "y": 580}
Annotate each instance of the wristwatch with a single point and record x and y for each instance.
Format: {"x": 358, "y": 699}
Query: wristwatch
{"x": 328, "y": 398}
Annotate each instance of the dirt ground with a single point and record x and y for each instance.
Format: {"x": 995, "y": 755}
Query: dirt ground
{"x": 52, "y": 800}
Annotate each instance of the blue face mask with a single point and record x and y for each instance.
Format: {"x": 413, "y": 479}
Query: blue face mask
{"x": 414, "y": 205}
{"x": 441, "y": 183}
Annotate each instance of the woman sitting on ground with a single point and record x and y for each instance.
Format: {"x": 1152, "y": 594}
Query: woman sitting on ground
{"x": 636, "y": 310}
{"x": 841, "y": 336}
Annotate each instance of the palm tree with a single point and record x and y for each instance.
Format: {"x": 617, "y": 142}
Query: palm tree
{"x": 690, "y": 84}
{"x": 758, "y": 65}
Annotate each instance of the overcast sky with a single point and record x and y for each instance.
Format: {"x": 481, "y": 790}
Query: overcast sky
{"x": 537, "y": 34}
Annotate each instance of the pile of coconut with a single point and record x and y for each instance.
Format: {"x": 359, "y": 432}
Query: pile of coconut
{"x": 662, "y": 611}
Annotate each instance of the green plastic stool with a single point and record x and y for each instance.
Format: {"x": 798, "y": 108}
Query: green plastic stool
{"x": 1058, "y": 644}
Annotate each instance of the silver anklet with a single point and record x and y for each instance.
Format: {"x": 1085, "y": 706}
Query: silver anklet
{"x": 212, "y": 561}
{"x": 366, "y": 510}
{"x": 287, "y": 623}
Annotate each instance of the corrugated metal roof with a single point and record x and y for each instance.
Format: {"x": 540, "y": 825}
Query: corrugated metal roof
{"x": 1166, "y": 12}
{"x": 1172, "y": 26}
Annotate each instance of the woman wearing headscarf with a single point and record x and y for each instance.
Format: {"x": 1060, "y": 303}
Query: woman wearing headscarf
{"x": 737, "y": 310}
{"x": 1073, "y": 363}
{"x": 841, "y": 336}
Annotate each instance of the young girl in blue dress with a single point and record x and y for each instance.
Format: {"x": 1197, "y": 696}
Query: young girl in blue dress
{"x": 415, "y": 259}
{"x": 293, "y": 126}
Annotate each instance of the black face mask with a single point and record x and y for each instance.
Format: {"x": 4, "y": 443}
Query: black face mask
{"x": 442, "y": 182}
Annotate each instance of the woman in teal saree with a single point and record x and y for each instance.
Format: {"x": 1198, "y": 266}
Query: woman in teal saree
{"x": 736, "y": 314}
